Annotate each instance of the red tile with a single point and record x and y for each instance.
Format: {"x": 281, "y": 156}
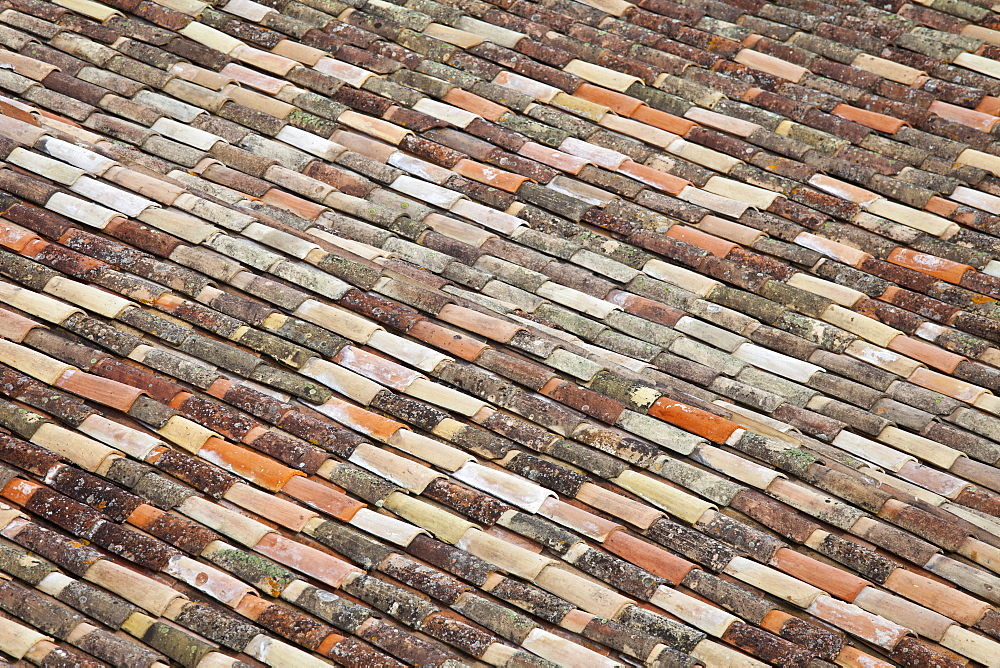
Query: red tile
{"x": 322, "y": 497}
{"x": 983, "y": 122}
{"x": 368, "y": 423}
{"x": 480, "y": 323}
{"x": 308, "y": 560}
{"x": 829, "y": 578}
{"x": 293, "y": 203}
{"x": 989, "y": 105}
{"x": 653, "y": 177}
{"x": 649, "y": 556}
{"x": 15, "y": 327}
{"x": 491, "y": 176}
{"x": 714, "y": 245}
{"x": 584, "y": 400}
{"x": 694, "y": 420}
{"x": 646, "y": 308}
{"x": 938, "y": 267}
{"x": 129, "y": 374}
{"x": 15, "y": 238}
{"x": 20, "y": 491}
{"x": 471, "y": 102}
{"x": 102, "y": 390}
{"x": 870, "y": 119}
{"x": 621, "y": 104}
{"x": 941, "y": 206}
{"x": 928, "y": 353}
{"x": 939, "y": 597}
{"x": 450, "y": 341}
{"x": 663, "y": 120}
{"x": 248, "y": 464}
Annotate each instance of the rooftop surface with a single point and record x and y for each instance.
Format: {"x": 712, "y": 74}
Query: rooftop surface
{"x": 513, "y": 334}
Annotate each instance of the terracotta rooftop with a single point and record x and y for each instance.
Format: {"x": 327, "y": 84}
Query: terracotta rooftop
{"x": 508, "y": 333}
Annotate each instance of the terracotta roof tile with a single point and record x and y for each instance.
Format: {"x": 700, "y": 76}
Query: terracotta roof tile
{"x": 397, "y": 225}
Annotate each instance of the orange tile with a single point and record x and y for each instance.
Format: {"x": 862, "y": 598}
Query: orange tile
{"x": 941, "y": 598}
{"x": 254, "y": 434}
{"x": 471, "y": 102}
{"x": 376, "y": 426}
{"x": 941, "y": 206}
{"x": 646, "y": 308}
{"x": 480, "y": 323}
{"x": 155, "y": 454}
{"x": 219, "y": 388}
{"x": 653, "y": 177}
{"x": 869, "y": 627}
{"x": 695, "y": 420}
{"x": 774, "y": 620}
{"x": 20, "y": 112}
{"x": 491, "y": 176}
{"x": 293, "y": 203}
{"x": 375, "y": 367}
{"x": 550, "y": 387}
{"x": 989, "y": 105}
{"x": 714, "y": 245}
{"x": 252, "y": 606}
{"x": 179, "y": 400}
{"x": 327, "y": 646}
{"x": 322, "y": 497}
{"x": 663, "y": 120}
{"x": 564, "y": 162}
{"x": 938, "y": 267}
{"x": 582, "y": 521}
{"x": 617, "y": 505}
{"x": 851, "y": 657}
{"x": 448, "y": 340}
{"x": 621, "y": 104}
{"x": 144, "y": 516}
{"x": 15, "y": 326}
{"x": 55, "y": 117}
{"x": 170, "y": 302}
{"x": 970, "y": 117}
{"x": 19, "y": 490}
{"x": 102, "y": 390}
{"x": 928, "y": 353}
{"x": 308, "y": 560}
{"x": 829, "y": 578}
{"x": 15, "y": 238}
{"x": 946, "y": 385}
{"x": 34, "y": 246}
{"x": 871, "y": 119}
{"x": 652, "y": 558}
{"x": 248, "y": 464}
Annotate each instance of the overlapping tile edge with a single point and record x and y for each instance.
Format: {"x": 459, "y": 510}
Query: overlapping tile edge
{"x": 684, "y": 451}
